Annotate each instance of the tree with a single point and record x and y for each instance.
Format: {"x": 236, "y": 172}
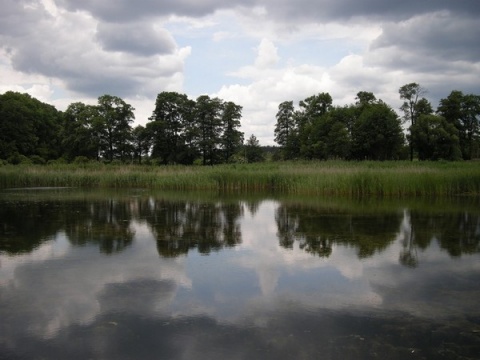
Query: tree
{"x": 112, "y": 125}
{"x": 141, "y": 142}
{"x": 311, "y": 110}
{"x": 315, "y": 106}
{"x": 168, "y": 126}
{"x": 330, "y": 137}
{"x": 463, "y": 111}
{"x": 435, "y": 138}
{"x": 253, "y": 151}
{"x": 209, "y": 121}
{"x": 377, "y": 134}
{"x": 411, "y": 94}
{"x": 232, "y": 138}
{"x": 286, "y": 134}
{"x": 28, "y": 127}
{"x": 365, "y": 98}
{"x": 78, "y": 137}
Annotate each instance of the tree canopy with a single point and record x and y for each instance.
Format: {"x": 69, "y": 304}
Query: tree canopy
{"x": 207, "y": 130}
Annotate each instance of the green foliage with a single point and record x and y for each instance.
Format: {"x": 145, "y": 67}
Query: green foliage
{"x": 37, "y": 160}
{"x": 28, "y": 127}
{"x": 435, "y": 138}
{"x": 463, "y": 111}
{"x": 285, "y": 125}
{"x": 377, "y": 134}
{"x": 232, "y": 138}
{"x": 112, "y": 127}
{"x": 253, "y": 151}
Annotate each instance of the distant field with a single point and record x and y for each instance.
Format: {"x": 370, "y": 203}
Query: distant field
{"x": 316, "y": 178}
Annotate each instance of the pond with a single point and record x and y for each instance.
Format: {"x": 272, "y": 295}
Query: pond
{"x": 135, "y": 274}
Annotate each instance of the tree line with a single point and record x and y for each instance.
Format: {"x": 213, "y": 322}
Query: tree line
{"x": 371, "y": 130}
{"x": 207, "y": 130}
{"x": 180, "y": 131}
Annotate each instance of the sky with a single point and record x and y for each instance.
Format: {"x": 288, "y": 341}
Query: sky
{"x": 256, "y": 53}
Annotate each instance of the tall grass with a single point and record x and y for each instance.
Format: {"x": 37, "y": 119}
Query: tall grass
{"x": 354, "y": 179}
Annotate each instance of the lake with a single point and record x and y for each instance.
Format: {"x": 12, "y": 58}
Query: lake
{"x": 135, "y": 274}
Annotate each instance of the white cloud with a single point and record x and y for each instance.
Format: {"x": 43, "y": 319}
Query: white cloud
{"x": 267, "y": 55}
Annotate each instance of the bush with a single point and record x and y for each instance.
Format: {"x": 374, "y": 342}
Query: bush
{"x": 81, "y": 160}
{"x": 37, "y": 160}
{"x": 59, "y": 161}
{"x": 18, "y": 159}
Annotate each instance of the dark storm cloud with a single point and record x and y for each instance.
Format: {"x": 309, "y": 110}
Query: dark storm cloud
{"x": 141, "y": 39}
{"x": 89, "y": 57}
{"x": 440, "y": 36}
{"x": 125, "y": 10}
{"x": 332, "y": 10}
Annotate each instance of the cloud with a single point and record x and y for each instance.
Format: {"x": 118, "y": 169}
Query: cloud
{"x": 433, "y": 36}
{"x": 257, "y": 53}
{"x": 135, "y": 59}
{"x": 267, "y": 55}
{"x": 137, "y": 38}
{"x": 379, "y": 10}
{"x": 124, "y": 10}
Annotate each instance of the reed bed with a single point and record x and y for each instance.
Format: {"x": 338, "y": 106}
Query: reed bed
{"x": 353, "y": 179}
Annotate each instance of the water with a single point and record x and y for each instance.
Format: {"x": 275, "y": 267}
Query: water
{"x": 140, "y": 275}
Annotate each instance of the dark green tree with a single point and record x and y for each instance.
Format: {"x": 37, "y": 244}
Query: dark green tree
{"x": 168, "y": 124}
{"x": 253, "y": 151}
{"x": 330, "y": 136}
{"x": 411, "y": 94}
{"x": 435, "y": 138}
{"x": 112, "y": 126}
{"x": 311, "y": 110}
{"x": 28, "y": 127}
{"x": 232, "y": 138}
{"x": 286, "y": 134}
{"x": 365, "y": 98}
{"x": 208, "y": 118}
{"x": 141, "y": 143}
{"x": 463, "y": 111}
{"x": 78, "y": 137}
{"x": 377, "y": 134}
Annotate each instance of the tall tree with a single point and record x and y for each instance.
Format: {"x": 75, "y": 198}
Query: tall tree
{"x": 209, "y": 121}
{"x": 141, "y": 142}
{"x": 377, "y": 134}
{"x": 411, "y": 94}
{"x": 28, "y": 127}
{"x": 78, "y": 137}
{"x": 463, "y": 111}
{"x": 286, "y": 130}
{"x": 435, "y": 138}
{"x": 112, "y": 124}
{"x": 311, "y": 110}
{"x": 169, "y": 120}
{"x": 232, "y": 138}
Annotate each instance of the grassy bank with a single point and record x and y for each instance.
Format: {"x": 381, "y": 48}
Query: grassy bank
{"x": 316, "y": 178}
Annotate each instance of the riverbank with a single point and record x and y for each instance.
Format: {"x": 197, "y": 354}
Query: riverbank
{"x": 317, "y": 178}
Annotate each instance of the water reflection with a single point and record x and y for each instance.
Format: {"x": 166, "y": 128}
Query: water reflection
{"x": 205, "y": 226}
{"x": 126, "y": 275}
{"x": 182, "y": 226}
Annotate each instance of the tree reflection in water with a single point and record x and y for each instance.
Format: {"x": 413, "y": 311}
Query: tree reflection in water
{"x": 180, "y": 226}
{"x": 317, "y": 230}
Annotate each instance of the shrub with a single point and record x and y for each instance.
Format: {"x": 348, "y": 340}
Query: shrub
{"x": 79, "y": 160}
{"x": 37, "y": 160}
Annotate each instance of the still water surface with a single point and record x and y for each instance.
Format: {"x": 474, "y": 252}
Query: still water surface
{"x": 140, "y": 275}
